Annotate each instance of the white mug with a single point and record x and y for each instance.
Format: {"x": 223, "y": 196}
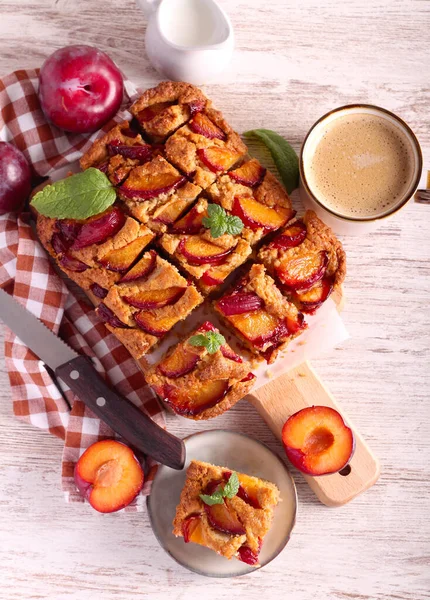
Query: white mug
{"x": 196, "y": 54}
{"x": 345, "y": 224}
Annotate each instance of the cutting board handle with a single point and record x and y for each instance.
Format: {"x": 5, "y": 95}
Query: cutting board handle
{"x": 299, "y": 388}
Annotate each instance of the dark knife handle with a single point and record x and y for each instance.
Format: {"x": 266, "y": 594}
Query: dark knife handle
{"x": 120, "y": 414}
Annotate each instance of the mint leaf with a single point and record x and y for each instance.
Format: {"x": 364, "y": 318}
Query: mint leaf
{"x": 232, "y": 486}
{"x": 198, "y": 340}
{"x": 216, "y": 498}
{"x": 283, "y": 154}
{"x": 229, "y": 490}
{"x": 77, "y": 197}
{"x": 219, "y": 222}
{"x": 211, "y": 340}
{"x": 233, "y": 225}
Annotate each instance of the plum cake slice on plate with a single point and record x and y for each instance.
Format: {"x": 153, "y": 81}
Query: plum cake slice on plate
{"x": 228, "y": 512}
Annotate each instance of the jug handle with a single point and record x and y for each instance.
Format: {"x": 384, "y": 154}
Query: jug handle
{"x": 148, "y": 6}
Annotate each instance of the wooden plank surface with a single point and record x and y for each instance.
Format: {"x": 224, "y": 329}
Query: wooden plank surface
{"x": 293, "y": 62}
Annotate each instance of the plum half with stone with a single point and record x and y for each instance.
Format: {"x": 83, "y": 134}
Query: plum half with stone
{"x": 80, "y": 88}
{"x": 317, "y": 441}
{"x": 15, "y": 178}
{"x": 109, "y": 476}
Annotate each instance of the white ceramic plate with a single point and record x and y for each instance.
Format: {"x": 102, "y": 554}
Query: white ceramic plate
{"x": 239, "y": 453}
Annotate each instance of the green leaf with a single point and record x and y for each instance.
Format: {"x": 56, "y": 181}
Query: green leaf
{"x": 232, "y": 486}
{"x": 77, "y": 197}
{"x": 234, "y": 225}
{"x": 211, "y": 340}
{"x": 219, "y": 222}
{"x": 198, "y": 340}
{"x": 216, "y": 498}
{"x": 229, "y": 490}
{"x": 284, "y": 156}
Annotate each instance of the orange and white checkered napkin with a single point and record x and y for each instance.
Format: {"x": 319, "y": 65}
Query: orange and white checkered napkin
{"x": 26, "y": 272}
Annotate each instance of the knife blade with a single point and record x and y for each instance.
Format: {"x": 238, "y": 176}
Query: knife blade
{"x": 79, "y": 374}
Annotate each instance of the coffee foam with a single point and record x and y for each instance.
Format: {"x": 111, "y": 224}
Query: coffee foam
{"x": 361, "y": 166}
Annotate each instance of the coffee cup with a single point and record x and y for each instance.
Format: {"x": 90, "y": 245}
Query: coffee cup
{"x": 359, "y": 165}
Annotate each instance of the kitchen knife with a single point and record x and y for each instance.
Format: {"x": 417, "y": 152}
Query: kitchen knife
{"x": 82, "y": 378}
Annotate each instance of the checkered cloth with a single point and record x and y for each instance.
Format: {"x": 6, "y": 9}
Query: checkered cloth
{"x": 26, "y": 272}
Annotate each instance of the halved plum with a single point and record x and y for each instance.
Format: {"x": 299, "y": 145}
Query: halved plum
{"x": 250, "y": 173}
{"x": 179, "y": 363}
{"x": 317, "y": 441}
{"x": 193, "y": 402}
{"x": 109, "y": 317}
{"x": 121, "y": 259}
{"x": 303, "y": 271}
{"x": 151, "y": 185}
{"x": 312, "y": 298}
{"x": 154, "y": 325}
{"x": 200, "y": 252}
{"x": 239, "y": 303}
{"x": 108, "y": 475}
{"x": 153, "y": 299}
{"x": 142, "y": 269}
{"x": 255, "y": 215}
{"x": 217, "y": 159}
{"x": 202, "y": 125}
{"x": 98, "y": 229}
{"x": 291, "y": 237}
{"x": 191, "y": 223}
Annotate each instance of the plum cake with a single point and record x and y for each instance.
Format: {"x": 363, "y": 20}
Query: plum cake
{"x": 257, "y": 312}
{"x": 201, "y": 377}
{"x": 95, "y": 253}
{"x": 117, "y": 153}
{"x": 156, "y": 193}
{"x": 228, "y": 512}
{"x": 306, "y": 260}
{"x": 205, "y": 148}
{"x": 255, "y": 196}
{"x": 147, "y": 302}
{"x": 190, "y": 242}
{"x": 165, "y": 108}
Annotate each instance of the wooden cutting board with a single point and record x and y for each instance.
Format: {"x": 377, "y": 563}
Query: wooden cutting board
{"x": 299, "y": 388}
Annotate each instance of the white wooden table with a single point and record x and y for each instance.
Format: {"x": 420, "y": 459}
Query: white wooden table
{"x": 294, "y": 61}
